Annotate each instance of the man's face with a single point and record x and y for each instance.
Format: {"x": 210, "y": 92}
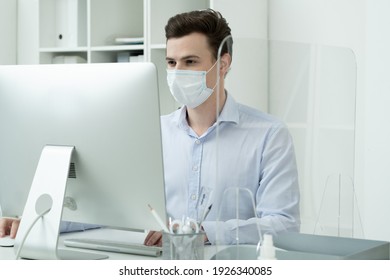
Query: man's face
{"x": 191, "y": 52}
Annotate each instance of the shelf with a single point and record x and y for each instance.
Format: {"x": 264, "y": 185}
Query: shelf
{"x": 158, "y": 46}
{"x": 63, "y": 50}
{"x": 118, "y": 48}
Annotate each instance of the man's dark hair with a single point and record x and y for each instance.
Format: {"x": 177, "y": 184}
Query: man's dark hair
{"x": 208, "y": 22}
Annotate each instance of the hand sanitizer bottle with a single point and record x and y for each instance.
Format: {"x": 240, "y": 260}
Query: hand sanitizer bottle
{"x": 267, "y": 249}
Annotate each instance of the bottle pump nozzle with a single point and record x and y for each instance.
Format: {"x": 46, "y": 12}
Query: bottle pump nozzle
{"x": 267, "y": 249}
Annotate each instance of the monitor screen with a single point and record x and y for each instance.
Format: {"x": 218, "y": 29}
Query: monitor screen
{"x": 110, "y": 114}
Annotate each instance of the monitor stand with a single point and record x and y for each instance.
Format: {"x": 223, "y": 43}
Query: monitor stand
{"x": 47, "y": 192}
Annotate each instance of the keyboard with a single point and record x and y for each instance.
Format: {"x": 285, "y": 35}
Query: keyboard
{"x": 113, "y": 246}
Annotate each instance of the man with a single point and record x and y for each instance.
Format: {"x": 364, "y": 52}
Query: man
{"x": 252, "y": 159}
{"x": 253, "y": 154}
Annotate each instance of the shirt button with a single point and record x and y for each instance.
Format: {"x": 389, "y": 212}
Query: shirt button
{"x": 193, "y": 196}
{"x": 195, "y": 168}
{"x": 197, "y": 141}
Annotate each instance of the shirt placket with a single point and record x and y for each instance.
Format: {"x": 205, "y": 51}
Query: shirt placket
{"x": 194, "y": 178}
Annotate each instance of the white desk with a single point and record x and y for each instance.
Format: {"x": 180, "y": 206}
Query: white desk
{"x": 358, "y": 249}
{"x": 7, "y": 253}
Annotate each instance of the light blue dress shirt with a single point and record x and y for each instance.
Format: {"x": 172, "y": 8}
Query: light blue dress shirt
{"x": 252, "y": 160}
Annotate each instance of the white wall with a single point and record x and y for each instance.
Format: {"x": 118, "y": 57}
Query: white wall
{"x": 376, "y": 97}
{"x": 361, "y": 25}
{"x": 27, "y": 31}
{"x": 248, "y": 79}
{"x": 8, "y": 31}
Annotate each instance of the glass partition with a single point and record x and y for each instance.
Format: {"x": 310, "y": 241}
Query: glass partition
{"x": 312, "y": 88}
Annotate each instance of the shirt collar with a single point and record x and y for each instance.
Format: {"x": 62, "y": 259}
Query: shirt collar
{"x": 230, "y": 113}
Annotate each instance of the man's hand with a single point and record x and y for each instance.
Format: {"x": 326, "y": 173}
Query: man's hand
{"x": 154, "y": 238}
{"x": 9, "y": 226}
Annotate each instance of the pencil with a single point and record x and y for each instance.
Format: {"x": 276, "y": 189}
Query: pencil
{"x": 158, "y": 219}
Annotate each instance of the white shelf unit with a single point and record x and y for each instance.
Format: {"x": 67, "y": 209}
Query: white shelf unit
{"x": 98, "y": 22}
{"x": 88, "y": 28}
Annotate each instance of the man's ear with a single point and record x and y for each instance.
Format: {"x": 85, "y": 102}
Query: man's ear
{"x": 225, "y": 62}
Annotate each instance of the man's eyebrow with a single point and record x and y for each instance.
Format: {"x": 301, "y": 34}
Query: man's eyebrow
{"x": 183, "y": 58}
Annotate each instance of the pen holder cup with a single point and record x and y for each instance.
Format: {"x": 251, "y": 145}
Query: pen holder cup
{"x": 183, "y": 246}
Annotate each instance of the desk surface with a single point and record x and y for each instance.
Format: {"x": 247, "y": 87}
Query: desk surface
{"x": 7, "y": 253}
{"x": 306, "y": 247}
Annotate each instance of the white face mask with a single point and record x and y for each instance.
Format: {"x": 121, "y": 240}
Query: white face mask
{"x": 189, "y": 87}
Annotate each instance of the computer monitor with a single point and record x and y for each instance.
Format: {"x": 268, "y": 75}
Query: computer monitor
{"x": 84, "y": 134}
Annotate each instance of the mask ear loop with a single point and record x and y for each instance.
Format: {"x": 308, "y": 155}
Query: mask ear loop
{"x": 216, "y": 86}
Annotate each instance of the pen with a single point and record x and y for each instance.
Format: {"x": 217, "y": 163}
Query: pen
{"x": 158, "y": 219}
{"x": 206, "y": 213}
{"x": 201, "y": 203}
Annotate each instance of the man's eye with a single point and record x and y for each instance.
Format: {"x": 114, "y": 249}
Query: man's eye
{"x": 171, "y": 63}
